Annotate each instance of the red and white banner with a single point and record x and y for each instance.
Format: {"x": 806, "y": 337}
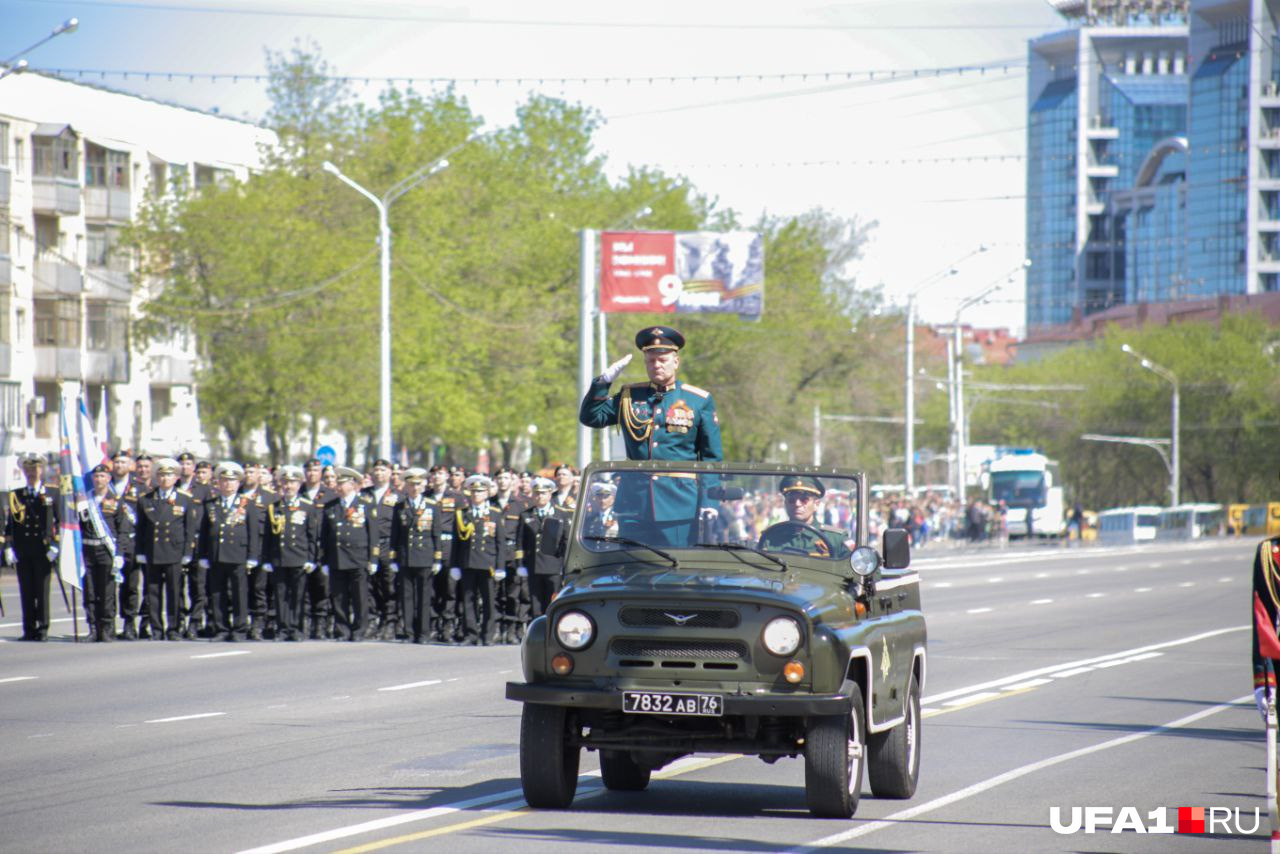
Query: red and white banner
{"x": 665, "y": 272}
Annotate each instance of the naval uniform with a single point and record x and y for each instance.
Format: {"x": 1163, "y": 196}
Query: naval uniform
{"x": 260, "y": 598}
{"x": 513, "y": 591}
{"x": 167, "y": 540}
{"x": 348, "y": 538}
{"x": 34, "y": 516}
{"x": 415, "y": 550}
{"x": 106, "y": 552}
{"x": 317, "y": 583}
{"x": 383, "y": 583}
{"x": 127, "y": 491}
{"x": 545, "y": 571}
{"x": 479, "y": 550}
{"x": 292, "y": 550}
{"x": 197, "y": 577}
{"x": 229, "y": 540}
{"x": 445, "y": 602}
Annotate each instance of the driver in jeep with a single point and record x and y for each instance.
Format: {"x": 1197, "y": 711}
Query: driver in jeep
{"x": 800, "y": 534}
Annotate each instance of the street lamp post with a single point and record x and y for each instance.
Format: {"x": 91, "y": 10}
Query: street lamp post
{"x": 14, "y": 65}
{"x": 1175, "y": 470}
{"x": 384, "y": 244}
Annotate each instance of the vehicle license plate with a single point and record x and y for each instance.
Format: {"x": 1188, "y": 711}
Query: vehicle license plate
{"x": 665, "y": 703}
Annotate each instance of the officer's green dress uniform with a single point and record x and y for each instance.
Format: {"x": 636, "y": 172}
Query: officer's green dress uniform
{"x": 797, "y": 537}
{"x": 679, "y": 423}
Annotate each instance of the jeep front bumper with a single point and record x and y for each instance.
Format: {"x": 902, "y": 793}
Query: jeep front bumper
{"x": 610, "y": 699}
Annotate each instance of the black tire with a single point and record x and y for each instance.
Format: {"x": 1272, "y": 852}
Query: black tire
{"x": 834, "y": 756}
{"x": 548, "y": 761}
{"x": 620, "y": 772}
{"x": 893, "y": 757}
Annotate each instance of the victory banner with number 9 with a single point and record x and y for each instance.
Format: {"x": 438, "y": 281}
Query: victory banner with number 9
{"x": 682, "y": 272}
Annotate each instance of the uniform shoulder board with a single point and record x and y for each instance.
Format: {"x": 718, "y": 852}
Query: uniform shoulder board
{"x": 694, "y": 390}
{"x": 365, "y": 499}
{"x": 304, "y": 501}
{"x": 183, "y": 492}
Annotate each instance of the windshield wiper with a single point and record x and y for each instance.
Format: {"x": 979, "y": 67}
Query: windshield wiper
{"x": 738, "y": 547}
{"x": 627, "y": 541}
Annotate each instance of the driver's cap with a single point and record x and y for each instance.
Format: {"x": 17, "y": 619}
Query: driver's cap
{"x": 801, "y": 483}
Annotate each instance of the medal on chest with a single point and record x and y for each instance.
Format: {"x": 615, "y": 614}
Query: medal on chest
{"x": 425, "y": 518}
{"x": 298, "y": 517}
{"x": 355, "y": 515}
{"x": 490, "y": 528}
{"x": 679, "y": 417}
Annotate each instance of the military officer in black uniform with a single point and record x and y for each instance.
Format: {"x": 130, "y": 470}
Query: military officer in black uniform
{"x": 543, "y": 571}
{"x": 347, "y": 540}
{"x": 127, "y": 490}
{"x": 479, "y": 552}
{"x": 196, "y": 576}
{"x": 229, "y": 540}
{"x": 292, "y": 551}
{"x": 382, "y": 580}
{"x": 35, "y": 514}
{"x": 106, "y": 552}
{"x": 511, "y": 590}
{"x": 167, "y": 537}
{"x": 416, "y": 554}
{"x": 256, "y": 488}
{"x": 317, "y": 583}
{"x": 444, "y": 597}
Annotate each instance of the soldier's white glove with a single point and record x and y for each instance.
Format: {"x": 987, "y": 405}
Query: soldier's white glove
{"x": 9, "y": 557}
{"x": 266, "y": 567}
{"x": 522, "y": 571}
{"x": 141, "y": 560}
{"x": 499, "y": 575}
{"x": 186, "y": 560}
{"x": 395, "y": 567}
{"x": 1260, "y": 697}
{"x": 324, "y": 570}
{"x": 308, "y": 568}
{"x": 436, "y": 567}
{"x": 373, "y": 569}
{"x": 611, "y": 373}
{"x": 203, "y": 563}
{"x": 251, "y": 564}
{"x": 117, "y": 577}
{"x": 709, "y": 513}
{"x": 52, "y": 554}
{"x": 455, "y": 573}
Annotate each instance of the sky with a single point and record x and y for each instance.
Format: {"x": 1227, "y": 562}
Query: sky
{"x": 934, "y": 158}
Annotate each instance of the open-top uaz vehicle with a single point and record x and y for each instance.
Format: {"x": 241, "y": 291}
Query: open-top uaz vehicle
{"x": 704, "y": 612}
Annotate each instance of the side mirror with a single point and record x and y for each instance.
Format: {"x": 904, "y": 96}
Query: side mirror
{"x": 897, "y": 548}
{"x": 552, "y": 533}
{"x": 864, "y": 561}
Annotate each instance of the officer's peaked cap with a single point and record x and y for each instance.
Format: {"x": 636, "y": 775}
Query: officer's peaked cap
{"x": 168, "y": 465}
{"x": 233, "y": 470}
{"x": 659, "y": 338}
{"x": 802, "y": 483}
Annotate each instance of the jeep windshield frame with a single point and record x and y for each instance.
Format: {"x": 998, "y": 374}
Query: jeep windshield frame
{"x": 692, "y": 509}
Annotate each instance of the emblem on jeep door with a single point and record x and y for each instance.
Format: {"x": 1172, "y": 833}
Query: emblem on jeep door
{"x": 884, "y": 659}
{"x": 679, "y": 619}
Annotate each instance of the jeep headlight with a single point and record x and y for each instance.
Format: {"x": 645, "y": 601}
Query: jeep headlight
{"x": 782, "y": 636}
{"x": 575, "y": 630}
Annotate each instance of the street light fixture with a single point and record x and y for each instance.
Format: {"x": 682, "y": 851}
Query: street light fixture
{"x": 1175, "y": 470}
{"x": 14, "y": 65}
{"x": 384, "y": 243}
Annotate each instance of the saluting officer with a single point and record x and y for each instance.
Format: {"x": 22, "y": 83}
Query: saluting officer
{"x": 382, "y": 580}
{"x": 292, "y": 550}
{"x": 32, "y": 533}
{"x": 543, "y": 571}
{"x": 444, "y": 597}
{"x": 167, "y": 540}
{"x": 479, "y": 555}
{"x": 229, "y": 543}
{"x": 106, "y": 552}
{"x": 416, "y": 554}
{"x": 347, "y": 538}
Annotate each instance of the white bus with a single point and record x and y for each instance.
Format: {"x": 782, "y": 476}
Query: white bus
{"x": 1128, "y": 525}
{"x": 1027, "y": 482}
{"x": 1189, "y": 522}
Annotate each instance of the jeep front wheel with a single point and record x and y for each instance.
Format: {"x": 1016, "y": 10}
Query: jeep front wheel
{"x": 834, "y": 750}
{"x": 893, "y": 757}
{"x": 621, "y": 773}
{"x": 548, "y": 758}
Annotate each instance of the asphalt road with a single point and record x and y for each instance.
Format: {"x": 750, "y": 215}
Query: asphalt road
{"x": 1068, "y": 678}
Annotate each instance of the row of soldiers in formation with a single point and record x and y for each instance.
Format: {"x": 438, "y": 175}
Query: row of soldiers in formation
{"x": 240, "y": 553}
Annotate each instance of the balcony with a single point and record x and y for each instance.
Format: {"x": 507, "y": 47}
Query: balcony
{"x": 1102, "y": 170}
{"x": 107, "y": 203}
{"x": 56, "y": 276}
{"x": 1100, "y": 128}
{"x": 106, "y": 366}
{"x": 57, "y": 363}
{"x": 172, "y": 370}
{"x": 55, "y": 196}
{"x": 6, "y": 179}
{"x": 1269, "y": 94}
{"x": 106, "y": 283}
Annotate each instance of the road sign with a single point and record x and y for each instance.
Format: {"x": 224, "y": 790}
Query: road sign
{"x": 326, "y": 455}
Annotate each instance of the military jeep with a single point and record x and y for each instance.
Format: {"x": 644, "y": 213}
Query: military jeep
{"x": 725, "y": 608}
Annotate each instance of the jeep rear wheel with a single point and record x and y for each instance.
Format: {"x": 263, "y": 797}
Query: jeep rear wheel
{"x": 834, "y": 753}
{"x": 893, "y": 757}
{"x": 620, "y": 772}
{"x": 548, "y": 759}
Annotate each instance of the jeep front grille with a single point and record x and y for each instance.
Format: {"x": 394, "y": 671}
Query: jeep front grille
{"x": 679, "y": 651}
{"x": 682, "y": 617}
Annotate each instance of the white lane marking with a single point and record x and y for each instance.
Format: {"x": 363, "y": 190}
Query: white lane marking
{"x": 972, "y": 698}
{"x": 1013, "y": 774}
{"x": 1155, "y": 564}
{"x": 341, "y": 697}
{"x": 995, "y": 580}
{"x": 223, "y": 654}
{"x": 1094, "y": 595}
{"x": 1142, "y": 590}
{"x": 504, "y": 672}
{"x": 279, "y": 706}
{"x": 1082, "y": 572}
{"x": 1144, "y": 656}
{"x": 454, "y": 679}
{"x": 941, "y": 584}
{"x": 409, "y": 685}
{"x": 1042, "y": 575}
{"x": 1122, "y": 569}
{"x": 17, "y": 678}
{"x": 186, "y": 718}
{"x": 978, "y": 611}
{"x": 1115, "y": 663}
{"x": 1075, "y": 671}
{"x": 1187, "y": 584}
{"x": 41, "y": 735}
{"x": 507, "y": 799}
{"x": 1187, "y": 561}
{"x": 1041, "y": 601}
{"x": 1226, "y": 579}
{"x": 1030, "y": 683}
{"x": 1054, "y": 668}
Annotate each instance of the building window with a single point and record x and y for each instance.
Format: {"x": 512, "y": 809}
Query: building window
{"x": 107, "y": 325}
{"x": 4, "y": 143}
{"x": 11, "y": 414}
{"x": 161, "y": 404}
{"x": 57, "y": 322}
{"x": 53, "y": 157}
{"x": 95, "y": 166}
{"x": 46, "y": 410}
{"x": 46, "y": 233}
{"x": 209, "y": 175}
{"x": 4, "y": 317}
{"x": 159, "y": 179}
{"x": 19, "y": 157}
{"x": 5, "y": 227}
{"x": 103, "y": 248}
